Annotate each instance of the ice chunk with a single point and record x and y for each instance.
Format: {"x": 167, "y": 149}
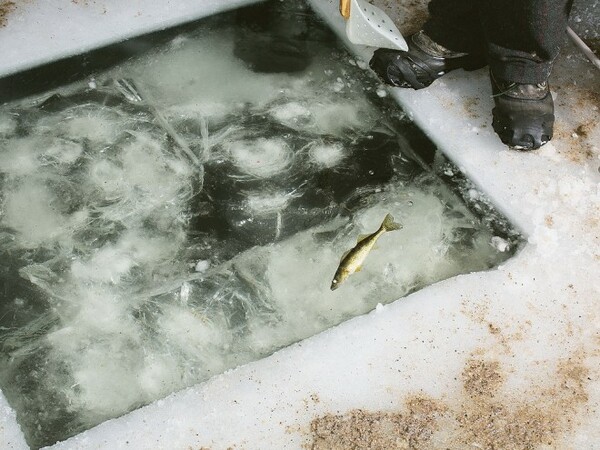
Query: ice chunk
{"x": 501, "y": 244}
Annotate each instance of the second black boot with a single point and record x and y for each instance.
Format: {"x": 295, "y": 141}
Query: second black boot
{"x": 523, "y": 115}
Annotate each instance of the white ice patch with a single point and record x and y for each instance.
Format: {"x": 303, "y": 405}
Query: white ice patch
{"x": 268, "y": 203}
{"x": 334, "y": 118}
{"x": 262, "y": 157}
{"x": 327, "y": 156}
{"x": 291, "y": 112}
{"x": 108, "y": 265}
{"x": 28, "y": 209}
{"x": 108, "y": 176}
{"x": 202, "y": 266}
{"x": 112, "y": 262}
{"x": 20, "y": 156}
{"x": 197, "y": 110}
{"x": 63, "y": 151}
{"x": 96, "y": 125}
{"x": 8, "y": 124}
{"x": 205, "y": 72}
{"x": 500, "y": 244}
{"x": 25, "y": 155}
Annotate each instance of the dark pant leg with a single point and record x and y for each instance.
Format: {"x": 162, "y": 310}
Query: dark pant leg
{"x": 456, "y": 25}
{"x": 524, "y": 37}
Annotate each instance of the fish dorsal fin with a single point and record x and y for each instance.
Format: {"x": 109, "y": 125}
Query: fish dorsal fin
{"x": 362, "y": 237}
{"x": 345, "y": 254}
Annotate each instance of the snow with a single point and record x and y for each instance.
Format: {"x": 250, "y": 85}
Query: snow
{"x": 543, "y": 302}
{"x": 35, "y": 33}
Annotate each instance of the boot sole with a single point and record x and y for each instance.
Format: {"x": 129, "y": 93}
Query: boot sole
{"x": 537, "y": 131}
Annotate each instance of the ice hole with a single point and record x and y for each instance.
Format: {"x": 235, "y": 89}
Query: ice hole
{"x": 130, "y": 269}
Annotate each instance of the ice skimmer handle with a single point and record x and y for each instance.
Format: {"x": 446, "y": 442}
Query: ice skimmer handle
{"x": 345, "y": 9}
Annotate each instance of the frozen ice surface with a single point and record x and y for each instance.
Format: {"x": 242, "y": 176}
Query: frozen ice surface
{"x": 129, "y": 273}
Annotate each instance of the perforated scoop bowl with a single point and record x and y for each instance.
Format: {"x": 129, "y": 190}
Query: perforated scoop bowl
{"x": 368, "y": 25}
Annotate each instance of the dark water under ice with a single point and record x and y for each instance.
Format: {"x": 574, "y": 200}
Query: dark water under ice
{"x": 183, "y": 212}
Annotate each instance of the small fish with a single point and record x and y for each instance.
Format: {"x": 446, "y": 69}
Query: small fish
{"x": 352, "y": 261}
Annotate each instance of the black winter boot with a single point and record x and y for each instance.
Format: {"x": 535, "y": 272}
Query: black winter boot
{"x": 423, "y": 63}
{"x": 524, "y": 113}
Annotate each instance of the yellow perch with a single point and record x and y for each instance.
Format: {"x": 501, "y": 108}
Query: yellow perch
{"x": 352, "y": 261}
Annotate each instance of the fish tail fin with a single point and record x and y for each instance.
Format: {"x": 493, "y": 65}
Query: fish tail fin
{"x": 389, "y": 224}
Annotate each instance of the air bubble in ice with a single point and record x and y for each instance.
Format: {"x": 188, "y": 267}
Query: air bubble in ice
{"x": 261, "y": 158}
{"x": 473, "y": 194}
{"x": 327, "y": 155}
{"x": 202, "y": 265}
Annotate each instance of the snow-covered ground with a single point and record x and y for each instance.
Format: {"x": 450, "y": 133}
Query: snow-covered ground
{"x": 509, "y": 356}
